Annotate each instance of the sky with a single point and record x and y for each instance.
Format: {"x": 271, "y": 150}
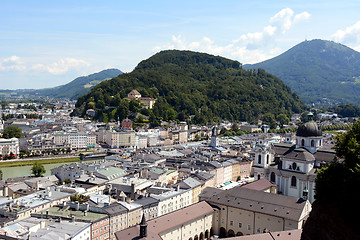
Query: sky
{"x": 50, "y": 43}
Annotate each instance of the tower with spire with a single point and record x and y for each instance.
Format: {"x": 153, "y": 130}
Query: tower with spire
{"x": 214, "y": 138}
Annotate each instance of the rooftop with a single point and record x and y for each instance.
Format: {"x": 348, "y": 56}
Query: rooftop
{"x": 168, "y": 221}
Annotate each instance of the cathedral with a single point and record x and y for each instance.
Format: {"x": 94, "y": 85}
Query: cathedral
{"x": 293, "y": 167}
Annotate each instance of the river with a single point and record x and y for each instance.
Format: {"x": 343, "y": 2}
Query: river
{"x": 20, "y": 171}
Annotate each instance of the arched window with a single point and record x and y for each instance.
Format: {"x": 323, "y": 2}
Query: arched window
{"x": 312, "y": 143}
{"x": 267, "y": 159}
{"x": 259, "y": 159}
{"x": 272, "y": 177}
{"x": 293, "y": 181}
{"x": 294, "y": 165}
{"x": 302, "y": 142}
{"x": 258, "y": 176}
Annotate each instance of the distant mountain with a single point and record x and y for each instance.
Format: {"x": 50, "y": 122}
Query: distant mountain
{"x": 192, "y": 85}
{"x": 79, "y": 86}
{"x": 73, "y": 90}
{"x": 319, "y": 71}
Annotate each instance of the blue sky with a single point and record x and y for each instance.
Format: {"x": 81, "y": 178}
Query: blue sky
{"x": 49, "y": 43}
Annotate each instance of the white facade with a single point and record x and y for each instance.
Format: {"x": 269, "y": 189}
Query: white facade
{"x": 78, "y": 140}
{"x": 227, "y": 172}
{"x": 310, "y": 143}
{"x": 263, "y": 158}
{"x": 173, "y": 200}
{"x": 8, "y": 146}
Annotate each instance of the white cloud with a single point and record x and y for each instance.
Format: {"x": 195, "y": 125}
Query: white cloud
{"x": 61, "y": 66}
{"x": 250, "y": 47}
{"x": 285, "y": 18}
{"x": 12, "y": 63}
{"x": 351, "y": 34}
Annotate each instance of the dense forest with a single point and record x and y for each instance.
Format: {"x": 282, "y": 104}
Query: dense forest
{"x": 347, "y": 110}
{"x": 191, "y": 86}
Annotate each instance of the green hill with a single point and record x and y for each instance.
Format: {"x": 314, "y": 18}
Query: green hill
{"x": 319, "y": 71}
{"x": 73, "y": 90}
{"x": 78, "y": 86}
{"x": 187, "y": 84}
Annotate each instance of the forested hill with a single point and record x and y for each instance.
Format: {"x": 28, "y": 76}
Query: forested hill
{"x": 207, "y": 88}
{"x": 319, "y": 71}
{"x": 78, "y": 86}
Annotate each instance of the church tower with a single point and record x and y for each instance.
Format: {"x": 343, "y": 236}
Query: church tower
{"x": 309, "y": 136}
{"x": 214, "y": 139}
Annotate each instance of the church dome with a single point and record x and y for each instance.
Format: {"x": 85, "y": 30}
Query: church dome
{"x": 309, "y": 129}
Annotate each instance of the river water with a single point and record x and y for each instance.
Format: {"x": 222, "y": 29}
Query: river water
{"x": 10, "y": 172}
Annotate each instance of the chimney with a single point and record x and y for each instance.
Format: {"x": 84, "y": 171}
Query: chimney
{"x": 143, "y": 227}
{"x": 132, "y": 193}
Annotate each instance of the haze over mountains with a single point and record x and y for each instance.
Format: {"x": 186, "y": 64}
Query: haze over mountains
{"x": 318, "y": 71}
{"x": 72, "y": 90}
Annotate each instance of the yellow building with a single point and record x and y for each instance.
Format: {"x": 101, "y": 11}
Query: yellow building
{"x": 193, "y": 222}
{"x": 116, "y": 139}
{"x": 242, "y": 211}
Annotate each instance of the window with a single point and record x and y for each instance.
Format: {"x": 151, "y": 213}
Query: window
{"x": 272, "y": 177}
{"x": 294, "y": 166}
{"x": 302, "y": 142}
{"x": 293, "y": 181}
{"x": 259, "y": 159}
{"x": 312, "y": 143}
{"x": 240, "y": 224}
{"x": 267, "y": 159}
{"x": 249, "y": 227}
{"x": 231, "y": 223}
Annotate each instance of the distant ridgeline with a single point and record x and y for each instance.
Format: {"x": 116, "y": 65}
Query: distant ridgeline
{"x": 319, "y": 71}
{"x": 72, "y": 90}
{"x": 191, "y": 85}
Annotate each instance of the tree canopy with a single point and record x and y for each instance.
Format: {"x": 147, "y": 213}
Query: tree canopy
{"x": 12, "y": 132}
{"x": 335, "y": 182}
{"x": 38, "y": 169}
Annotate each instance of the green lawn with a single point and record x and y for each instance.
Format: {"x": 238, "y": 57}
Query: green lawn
{"x": 42, "y": 161}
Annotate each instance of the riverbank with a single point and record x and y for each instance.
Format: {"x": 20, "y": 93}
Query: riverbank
{"x": 18, "y": 163}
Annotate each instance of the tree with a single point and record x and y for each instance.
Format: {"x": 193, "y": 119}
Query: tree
{"x": 12, "y": 132}
{"x": 269, "y": 119}
{"x": 79, "y": 198}
{"x": 235, "y": 127}
{"x": 335, "y": 182}
{"x": 67, "y": 181}
{"x": 282, "y": 119}
{"x": 38, "y": 169}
